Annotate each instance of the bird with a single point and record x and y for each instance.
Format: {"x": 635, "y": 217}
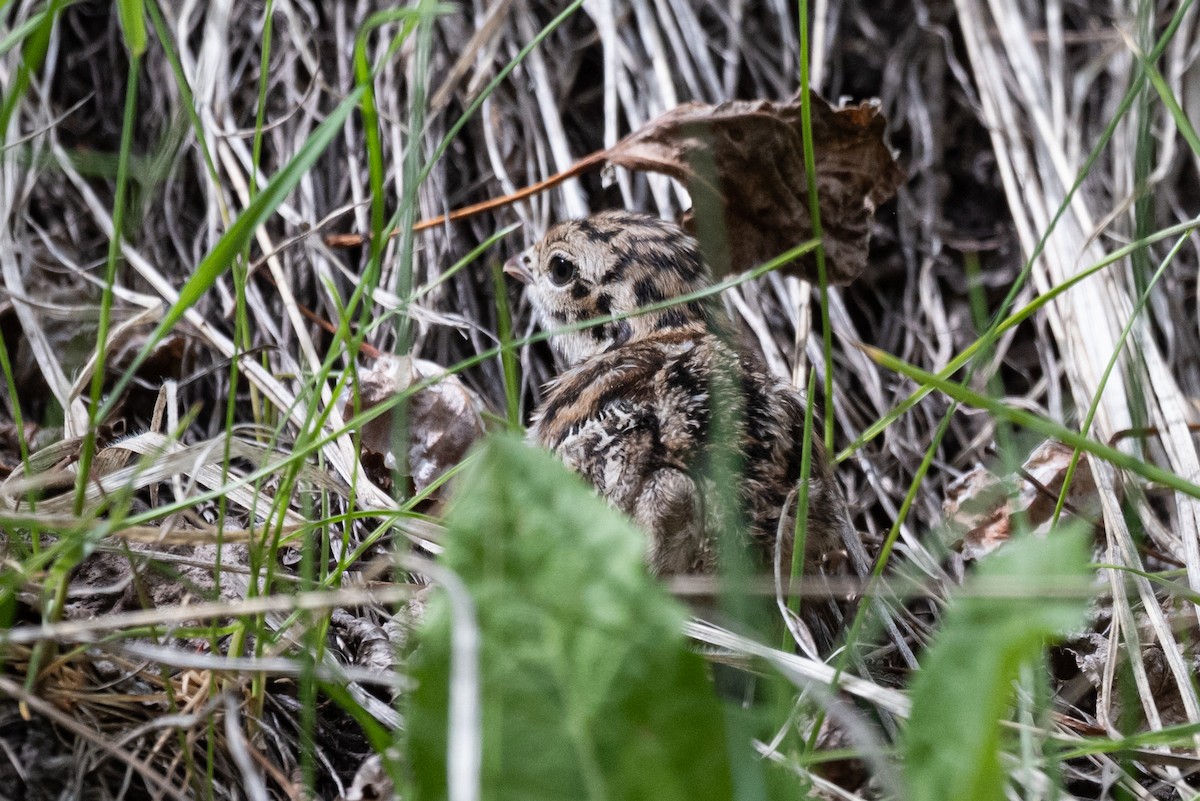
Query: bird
{"x": 656, "y": 392}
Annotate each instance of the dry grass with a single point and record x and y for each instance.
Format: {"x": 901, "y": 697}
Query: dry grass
{"x": 994, "y": 110}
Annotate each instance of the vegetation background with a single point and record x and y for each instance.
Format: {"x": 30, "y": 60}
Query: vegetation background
{"x": 168, "y": 174}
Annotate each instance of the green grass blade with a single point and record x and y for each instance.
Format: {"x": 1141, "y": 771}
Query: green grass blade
{"x": 1047, "y": 428}
{"x": 814, "y": 213}
{"x": 133, "y": 25}
{"x": 110, "y": 276}
{"x": 230, "y": 245}
{"x": 1186, "y": 129}
{"x": 35, "y": 41}
{"x": 1013, "y": 320}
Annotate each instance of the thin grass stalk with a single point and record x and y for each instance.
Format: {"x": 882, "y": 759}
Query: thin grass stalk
{"x": 224, "y": 253}
{"x": 260, "y": 109}
{"x": 1043, "y": 426}
{"x": 1143, "y": 214}
{"x": 995, "y": 387}
{"x": 1014, "y": 319}
{"x": 312, "y": 443}
{"x": 1167, "y": 735}
{"x": 315, "y": 639}
{"x": 1094, "y": 406}
{"x": 35, "y": 41}
{"x": 508, "y": 357}
{"x": 1178, "y": 115}
{"x": 409, "y": 213}
{"x": 1093, "y": 155}
{"x": 242, "y": 341}
{"x": 1143, "y": 165}
{"x": 262, "y": 554}
{"x": 800, "y": 533}
{"x": 814, "y": 212}
{"x": 364, "y": 76}
{"x": 412, "y": 176}
{"x": 87, "y": 448}
{"x": 240, "y": 269}
{"x": 10, "y": 385}
{"x": 365, "y": 80}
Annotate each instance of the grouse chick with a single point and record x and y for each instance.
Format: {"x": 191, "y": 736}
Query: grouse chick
{"x": 639, "y": 401}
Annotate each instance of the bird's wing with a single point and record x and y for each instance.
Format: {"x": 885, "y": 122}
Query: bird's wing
{"x": 620, "y": 424}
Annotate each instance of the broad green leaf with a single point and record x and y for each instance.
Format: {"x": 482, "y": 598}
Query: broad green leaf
{"x": 588, "y": 690}
{"x": 1029, "y": 591}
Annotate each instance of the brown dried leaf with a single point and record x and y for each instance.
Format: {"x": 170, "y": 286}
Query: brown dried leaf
{"x": 1047, "y": 466}
{"x": 978, "y": 504}
{"x": 444, "y": 419}
{"x": 743, "y": 162}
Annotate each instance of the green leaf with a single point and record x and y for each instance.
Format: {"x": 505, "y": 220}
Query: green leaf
{"x": 133, "y": 25}
{"x": 588, "y": 690}
{"x": 1029, "y": 591}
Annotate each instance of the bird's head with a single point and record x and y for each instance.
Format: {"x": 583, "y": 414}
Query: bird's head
{"x": 613, "y": 263}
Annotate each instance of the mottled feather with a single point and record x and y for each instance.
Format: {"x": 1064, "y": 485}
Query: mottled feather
{"x": 635, "y": 408}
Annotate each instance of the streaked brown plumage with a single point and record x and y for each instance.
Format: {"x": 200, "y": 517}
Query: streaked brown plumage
{"x": 633, "y": 410}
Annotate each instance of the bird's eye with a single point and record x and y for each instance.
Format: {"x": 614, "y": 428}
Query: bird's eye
{"x": 562, "y": 270}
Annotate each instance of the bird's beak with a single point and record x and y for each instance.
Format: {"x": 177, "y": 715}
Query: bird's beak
{"x": 519, "y": 267}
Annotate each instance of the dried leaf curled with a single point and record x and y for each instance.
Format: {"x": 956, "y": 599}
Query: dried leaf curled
{"x": 979, "y": 507}
{"x": 743, "y": 162}
{"x": 443, "y": 418}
